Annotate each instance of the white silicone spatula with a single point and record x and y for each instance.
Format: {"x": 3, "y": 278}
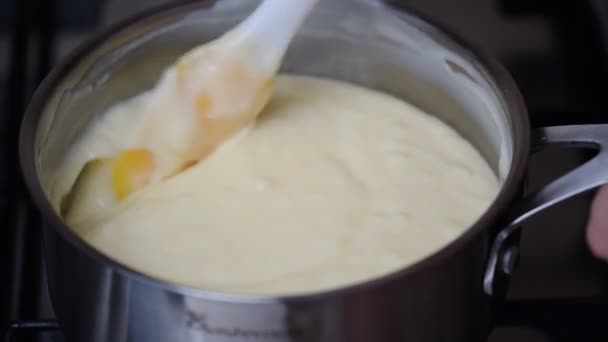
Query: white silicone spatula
{"x": 227, "y": 82}
{"x": 207, "y": 96}
{"x": 266, "y": 34}
{"x": 216, "y": 90}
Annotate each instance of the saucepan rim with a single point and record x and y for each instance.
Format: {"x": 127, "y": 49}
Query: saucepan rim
{"x": 514, "y": 107}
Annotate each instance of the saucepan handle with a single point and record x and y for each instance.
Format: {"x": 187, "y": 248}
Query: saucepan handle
{"x": 588, "y": 176}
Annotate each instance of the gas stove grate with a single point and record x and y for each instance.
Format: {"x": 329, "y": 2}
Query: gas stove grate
{"x": 41, "y": 331}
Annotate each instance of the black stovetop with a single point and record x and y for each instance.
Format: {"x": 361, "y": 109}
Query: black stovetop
{"x": 557, "y": 51}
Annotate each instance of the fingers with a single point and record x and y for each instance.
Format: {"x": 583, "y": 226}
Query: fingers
{"x": 597, "y": 231}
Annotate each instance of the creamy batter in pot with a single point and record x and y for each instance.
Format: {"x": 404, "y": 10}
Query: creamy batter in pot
{"x": 335, "y": 184}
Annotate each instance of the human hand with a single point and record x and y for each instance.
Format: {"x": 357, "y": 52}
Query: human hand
{"x": 597, "y": 229}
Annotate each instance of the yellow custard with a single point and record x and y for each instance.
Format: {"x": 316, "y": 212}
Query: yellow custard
{"x": 334, "y": 184}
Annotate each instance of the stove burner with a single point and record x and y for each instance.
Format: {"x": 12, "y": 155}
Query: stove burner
{"x": 42, "y": 331}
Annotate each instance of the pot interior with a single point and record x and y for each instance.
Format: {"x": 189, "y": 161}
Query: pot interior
{"x": 365, "y": 42}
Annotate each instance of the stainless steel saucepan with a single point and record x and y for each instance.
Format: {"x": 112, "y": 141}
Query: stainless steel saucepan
{"x": 447, "y": 296}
